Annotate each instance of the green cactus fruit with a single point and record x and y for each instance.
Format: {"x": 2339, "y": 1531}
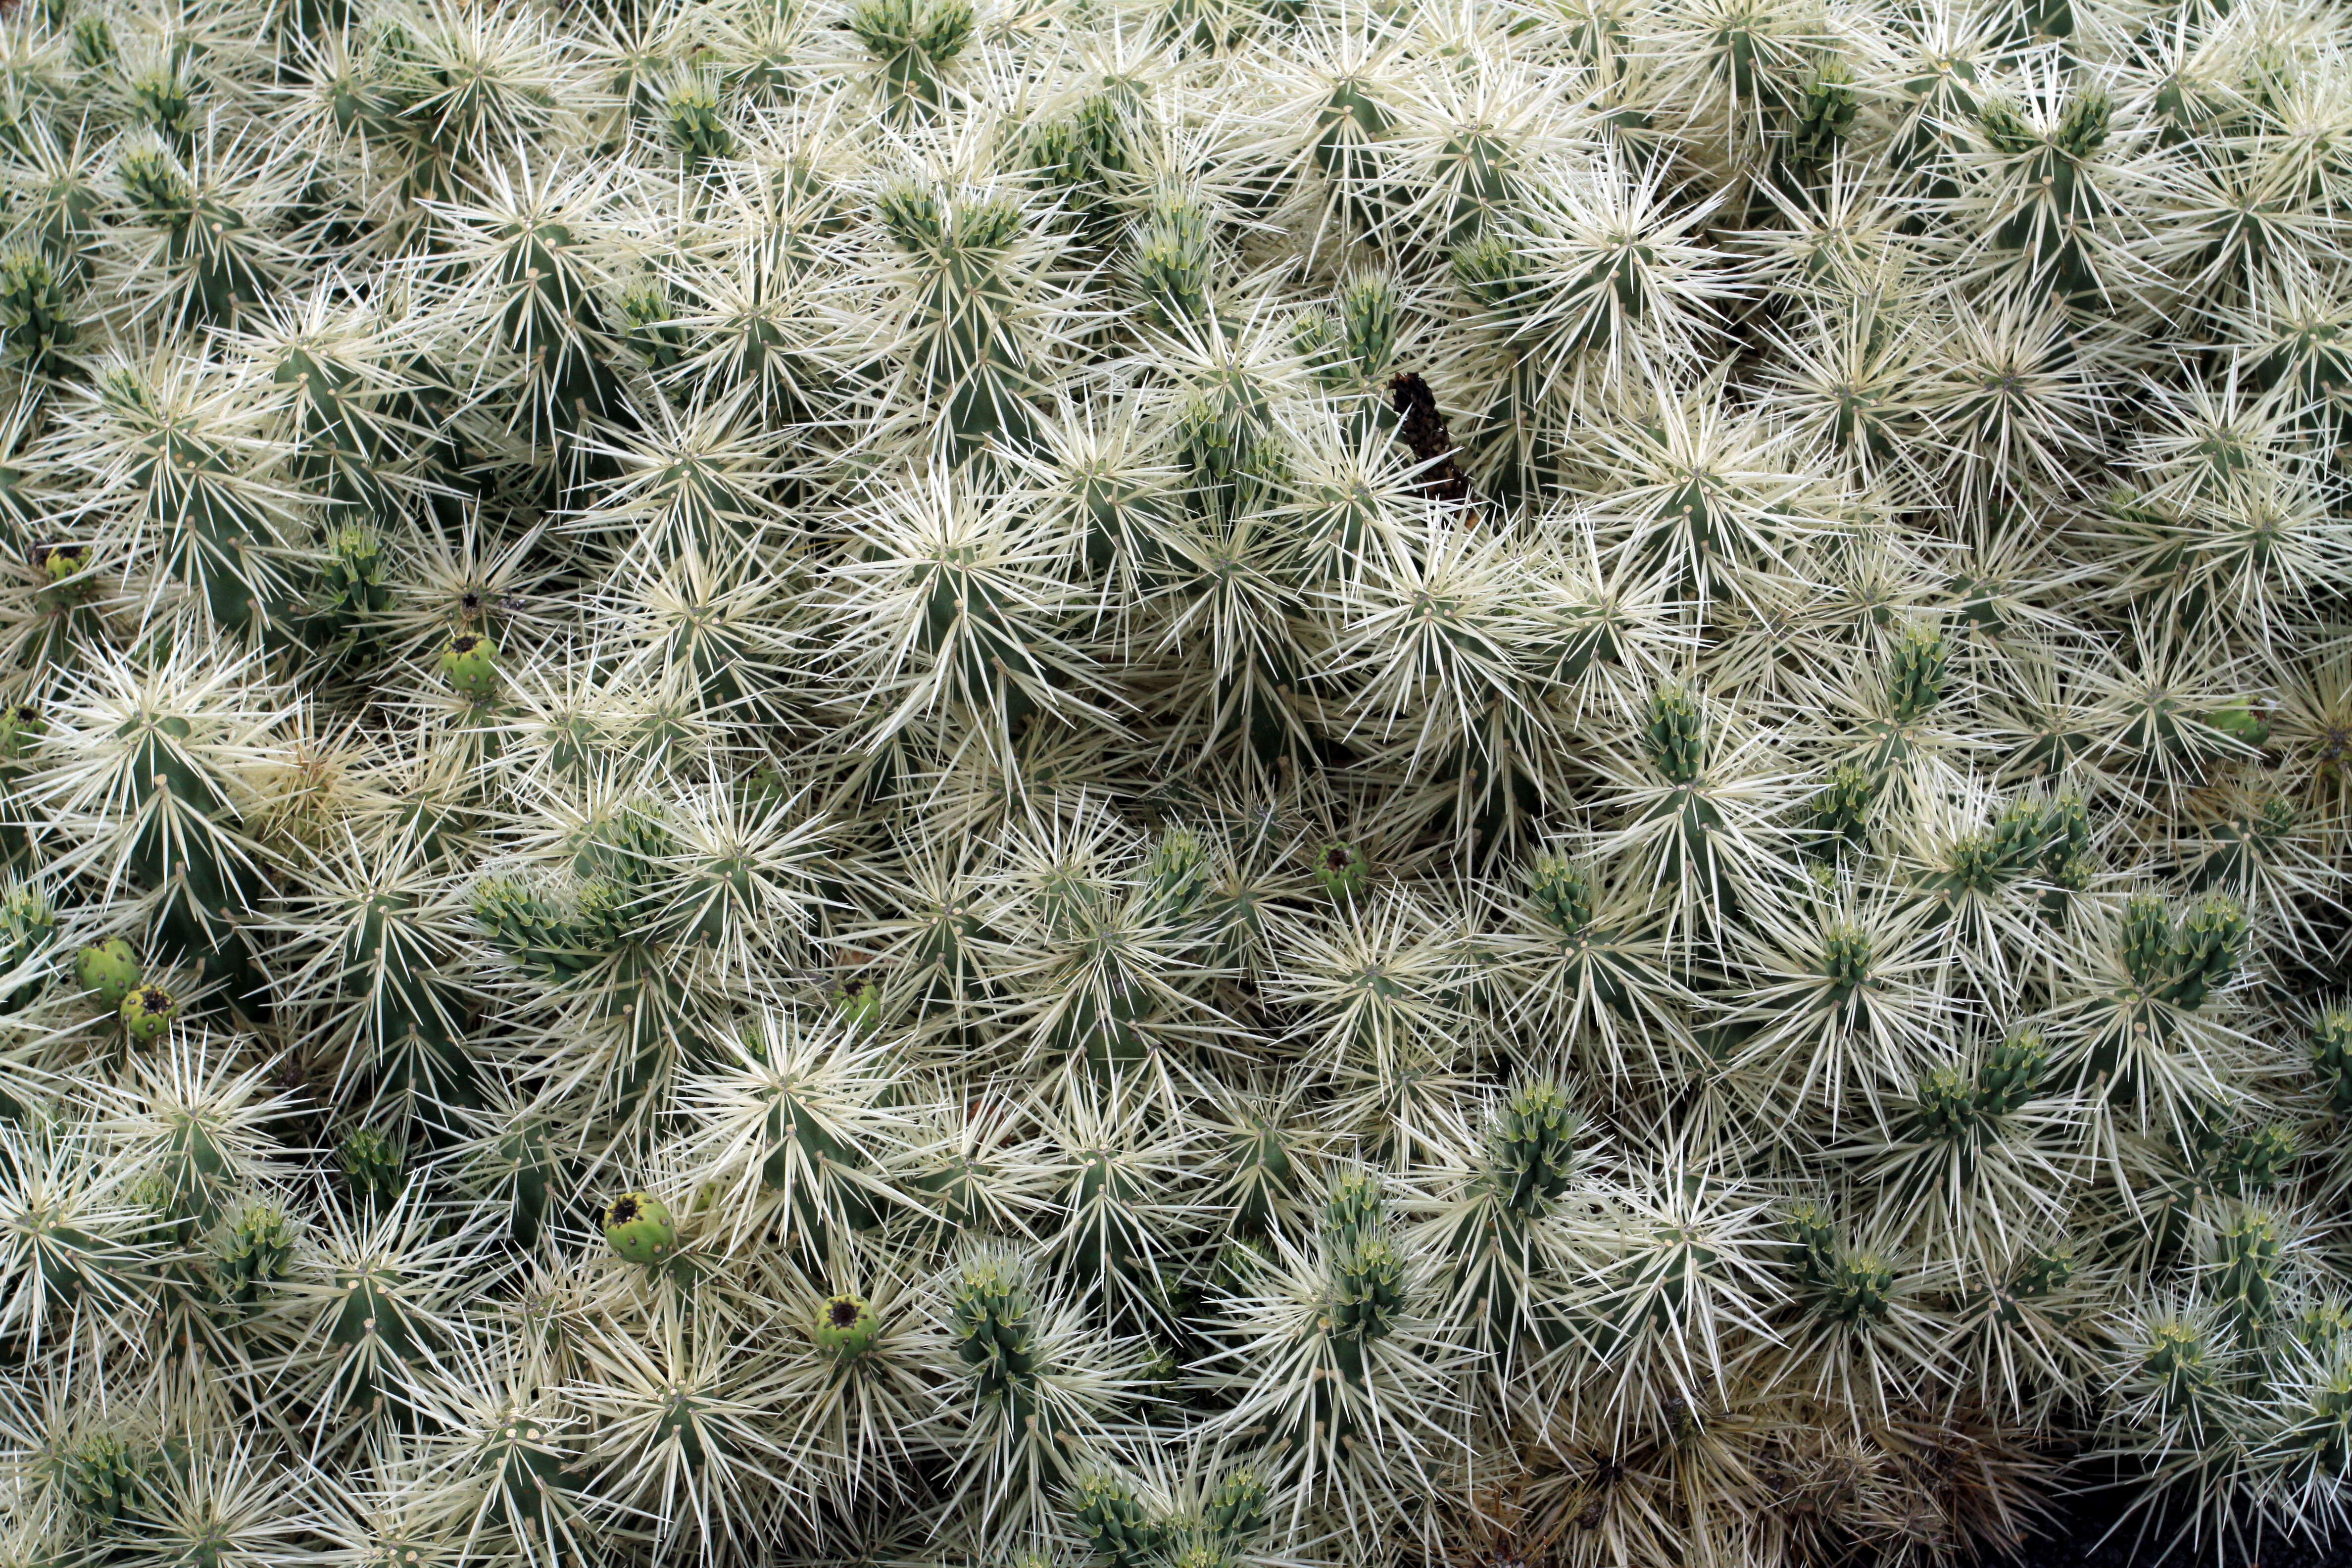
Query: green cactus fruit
{"x": 147, "y": 1011}
{"x": 638, "y": 1227}
{"x": 63, "y": 568}
{"x": 470, "y": 663}
{"x": 847, "y": 1326}
{"x": 1342, "y": 871}
{"x": 2243, "y": 722}
{"x": 21, "y": 724}
{"x": 858, "y": 1006}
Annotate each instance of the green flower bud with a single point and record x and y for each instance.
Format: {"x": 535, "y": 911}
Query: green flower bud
{"x": 471, "y": 664}
{"x": 639, "y": 1229}
{"x": 1533, "y": 1149}
{"x": 697, "y": 127}
{"x": 373, "y": 1163}
{"x": 250, "y": 1252}
{"x": 1237, "y": 1508}
{"x": 1562, "y": 895}
{"x": 846, "y": 1327}
{"x": 147, "y": 1011}
{"x": 1858, "y": 1289}
{"x": 1915, "y": 676}
{"x": 1841, "y": 807}
{"x": 1811, "y": 1240}
{"x": 2331, "y": 1058}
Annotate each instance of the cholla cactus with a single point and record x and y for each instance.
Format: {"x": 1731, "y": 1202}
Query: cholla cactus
{"x": 1171, "y": 781}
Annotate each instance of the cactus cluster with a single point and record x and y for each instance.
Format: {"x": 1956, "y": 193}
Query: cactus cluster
{"x": 1171, "y": 784}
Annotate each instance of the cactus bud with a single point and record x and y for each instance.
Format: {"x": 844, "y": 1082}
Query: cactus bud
{"x": 1562, "y": 895}
{"x": 2331, "y": 1058}
{"x": 638, "y": 1227}
{"x": 1811, "y": 1241}
{"x": 33, "y": 321}
{"x": 697, "y": 128}
{"x": 1677, "y": 736}
{"x": 846, "y": 1327}
{"x": 1533, "y": 1147}
{"x": 2011, "y": 1073}
{"x": 374, "y": 1165}
{"x": 1841, "y": 807}
{"x": 1115, "y": 1525}
{"x": 250, "y": 1251}
{"x": 1915, "y": 676}
{"x": 147, "y": 1011}
{"x": 1858, "y": 1289}
{"x": 2147, "y": 939}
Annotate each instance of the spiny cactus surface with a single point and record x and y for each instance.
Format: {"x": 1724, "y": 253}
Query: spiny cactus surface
{"x": 1173, "y": 784}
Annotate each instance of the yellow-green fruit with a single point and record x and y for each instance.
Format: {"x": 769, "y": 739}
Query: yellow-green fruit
{"x": 847, "y": 1326}
{"x": 471, "y": 663}
{"x": 639, "y": 1228}
{"x": 111, "y": 970}
{"x": 147, "y": 1011}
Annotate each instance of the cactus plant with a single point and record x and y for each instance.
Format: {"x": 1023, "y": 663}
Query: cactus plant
{"x": 1166, "y": 783}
